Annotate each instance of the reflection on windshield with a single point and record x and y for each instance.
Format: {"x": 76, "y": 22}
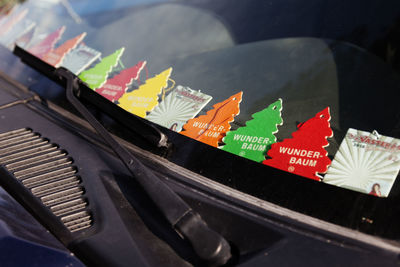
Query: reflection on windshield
{"x": 249, "y": 87}
{"x": 88, "y": 7}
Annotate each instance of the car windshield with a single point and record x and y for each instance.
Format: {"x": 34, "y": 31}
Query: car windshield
{"x": 293, "y": 102}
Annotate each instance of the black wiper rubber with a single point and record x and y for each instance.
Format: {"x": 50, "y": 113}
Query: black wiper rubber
{"x": 210, "y": 246}
{"x": 135, "y": 124}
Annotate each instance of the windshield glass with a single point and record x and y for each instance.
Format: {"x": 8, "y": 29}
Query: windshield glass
{"x": 305, "y": 87}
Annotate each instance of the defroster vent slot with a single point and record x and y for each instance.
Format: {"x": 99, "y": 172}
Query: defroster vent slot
{"x": 48, "y": 172}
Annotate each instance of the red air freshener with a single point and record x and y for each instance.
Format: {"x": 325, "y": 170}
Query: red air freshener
{"x": 115, "y": 87}
{"x": 304, "y": 154}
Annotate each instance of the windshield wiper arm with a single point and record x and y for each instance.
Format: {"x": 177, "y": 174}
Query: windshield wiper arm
{"x": 210, "y": 246}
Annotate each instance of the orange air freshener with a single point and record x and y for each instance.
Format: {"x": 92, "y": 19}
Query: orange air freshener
{"x": 212, "y": 127}
{"x": 56, "y": 56}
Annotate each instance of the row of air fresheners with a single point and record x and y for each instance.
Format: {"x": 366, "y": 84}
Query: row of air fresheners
{"x": 172, "y": 111}
{"x": 366, "y": 167}
{"x": 365, "y": 162}
{"x": 182, "y": 103}
{"x": 15, "y": 28}
{"x": 304, "y": 154}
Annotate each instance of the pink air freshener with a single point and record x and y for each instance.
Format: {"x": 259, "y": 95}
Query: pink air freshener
{"x": 45, "y": 46}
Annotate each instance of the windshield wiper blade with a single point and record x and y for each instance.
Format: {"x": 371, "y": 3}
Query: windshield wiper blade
{"x": 135, "y": 124}
{"x": 210, "y": 246}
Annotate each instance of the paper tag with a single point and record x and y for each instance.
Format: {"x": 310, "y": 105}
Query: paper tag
{"x": 365, "y": 162}
{"x": 43, "y": 47}
{"x": 145, "y": 98}
{"x": 115, "y": 87}
{"x": 178, "y": 107}
{"x": 97, "y": 76}
{"x": 253, "y": 140}
{"x": 212, "y": 127}
{"x": 304, "y": 154}
{"x": 56, "y": 56}
{"x": 80, "y": 58}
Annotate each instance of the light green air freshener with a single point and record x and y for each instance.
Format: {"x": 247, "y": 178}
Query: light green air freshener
{"x": 97, "y": 76}
{"x": 254, "y": 140}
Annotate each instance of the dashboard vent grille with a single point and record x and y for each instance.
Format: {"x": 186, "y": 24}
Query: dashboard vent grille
{"x": 48, "y": 172}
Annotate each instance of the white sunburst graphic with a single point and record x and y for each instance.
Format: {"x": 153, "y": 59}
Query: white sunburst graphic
{"x": 365, "y": 162}
{"x": 178, "y": 107}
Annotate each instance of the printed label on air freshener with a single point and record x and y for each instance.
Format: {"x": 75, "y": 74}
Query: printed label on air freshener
{"x": 305, "y": 153}
{"x": 145, "y": 98}
{"x": 212, "y": 127}
{"x": 253, "y": 140}
{"x": 178, "y": 107}
{"x": 365, "y": 162}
